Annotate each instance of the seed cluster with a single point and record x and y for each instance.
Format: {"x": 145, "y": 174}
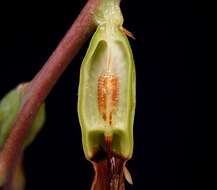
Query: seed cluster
{"x": 108, "y": 94}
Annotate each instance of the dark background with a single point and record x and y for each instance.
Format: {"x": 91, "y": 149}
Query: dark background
{"x": 171, "y": 123}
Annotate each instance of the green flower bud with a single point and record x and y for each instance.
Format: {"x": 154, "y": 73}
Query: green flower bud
{"x": 106, "y": 98}
{"x": 9, "y": 107}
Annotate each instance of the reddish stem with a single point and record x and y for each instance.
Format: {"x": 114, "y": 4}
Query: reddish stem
{"x": 43, "y": 82}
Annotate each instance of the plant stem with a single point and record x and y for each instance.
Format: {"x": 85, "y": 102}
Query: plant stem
{"x": 43, "y": 82}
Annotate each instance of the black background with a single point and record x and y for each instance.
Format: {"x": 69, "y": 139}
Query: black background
{"x": 171, "y": 123}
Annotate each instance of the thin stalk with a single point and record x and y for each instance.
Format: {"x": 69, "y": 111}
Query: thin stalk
{"x": 42, "y": 83}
